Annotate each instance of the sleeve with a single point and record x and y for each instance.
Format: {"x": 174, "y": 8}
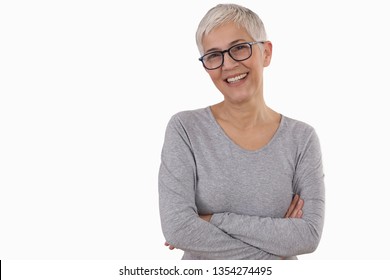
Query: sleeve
{"x": 287, "y": 236}
{"x": 181, "y": 225}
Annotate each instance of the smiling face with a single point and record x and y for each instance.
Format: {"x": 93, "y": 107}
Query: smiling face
{"x": 238, "y": 81}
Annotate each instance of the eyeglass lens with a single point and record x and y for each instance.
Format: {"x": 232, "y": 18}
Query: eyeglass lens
{"x": 239, "y": 53}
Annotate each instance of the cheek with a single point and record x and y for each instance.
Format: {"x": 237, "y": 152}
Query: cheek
{"x": 215, "y": 76}
{"x": 256, "y": 69}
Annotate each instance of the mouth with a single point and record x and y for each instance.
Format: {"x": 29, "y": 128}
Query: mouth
{"x": 236, "y": 78}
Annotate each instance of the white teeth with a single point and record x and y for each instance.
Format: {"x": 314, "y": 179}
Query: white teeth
{"x": 237, "y": 78}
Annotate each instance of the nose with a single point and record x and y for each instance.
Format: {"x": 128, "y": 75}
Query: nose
{"x": 228, "y": 62}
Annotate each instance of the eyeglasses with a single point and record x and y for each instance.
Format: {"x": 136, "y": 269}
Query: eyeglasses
{"x": 239, "y": 52}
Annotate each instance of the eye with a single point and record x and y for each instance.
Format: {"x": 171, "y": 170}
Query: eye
{"x": 212, "y": 56}
{"x": 241, "y": 47}
{"x": 240, "y": 52}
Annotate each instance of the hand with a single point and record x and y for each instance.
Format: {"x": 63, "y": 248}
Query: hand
{"x": 170, "y": 246}
{"x": 295, "y": 209}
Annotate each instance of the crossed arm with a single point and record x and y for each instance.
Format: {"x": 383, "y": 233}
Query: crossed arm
{"x": 294, "y": 211}
{"x": 228, "y": 235}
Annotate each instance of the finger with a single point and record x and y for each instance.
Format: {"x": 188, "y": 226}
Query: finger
{"x": 171, "y": 247}
{"x": 297, "y": 208}
{"x": 292, "y": 206}
{"x": 300, "y": 214}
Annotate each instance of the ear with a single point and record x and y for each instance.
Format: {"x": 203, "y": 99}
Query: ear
{"x": 267, "y": 53}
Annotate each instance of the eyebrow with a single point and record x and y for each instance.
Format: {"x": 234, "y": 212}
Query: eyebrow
{"x": 231, "y": 44}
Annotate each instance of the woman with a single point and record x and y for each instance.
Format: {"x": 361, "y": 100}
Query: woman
{"x": 237, "y": 179}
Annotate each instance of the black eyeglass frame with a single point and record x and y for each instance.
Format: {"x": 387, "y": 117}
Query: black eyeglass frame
{"x": 228, "y": 51}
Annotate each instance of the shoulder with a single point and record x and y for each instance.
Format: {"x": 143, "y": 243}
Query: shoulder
{"x": 190, "y": 115}
{"x": 297, "y": 125}
{"x": 191, "y": 118}
{"x": 298, "y": 131}
{"x": 190, "y": 126}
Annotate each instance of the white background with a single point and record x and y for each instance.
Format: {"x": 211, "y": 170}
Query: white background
{"x": 87, "y": 88}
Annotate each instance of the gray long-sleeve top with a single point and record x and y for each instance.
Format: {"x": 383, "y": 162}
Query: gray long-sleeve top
{"x": 248, "y": 192}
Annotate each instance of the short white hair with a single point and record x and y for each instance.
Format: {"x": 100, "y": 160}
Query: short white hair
{"x": 226, "y": 13}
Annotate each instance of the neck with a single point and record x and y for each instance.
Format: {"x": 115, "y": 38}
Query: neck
{"x": 246, "y": 115}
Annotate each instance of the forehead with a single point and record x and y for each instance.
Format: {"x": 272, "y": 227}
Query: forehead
{"x": 222, "y": 36}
